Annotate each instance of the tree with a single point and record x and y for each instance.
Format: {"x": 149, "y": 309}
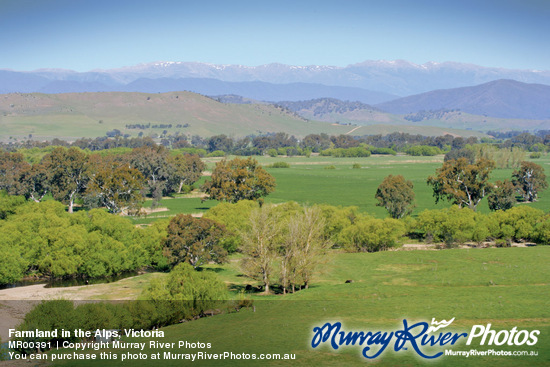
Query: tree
{"x": 462, "y": 183}
{"x": 195, "y": 241}
{"x": 303, "y": 248}
{"x": 455, "y": 154}
{"x": 502, "y": 196}
{"x": 67, "y": 168}
{"x": 188, "y": 169}
{"x": 220, "y": 142}
{"x": 115, "y": 185}
{"x": 529, "y": 180}
{"x": 154, "y": 165}
{"x": 396, "y": 195}
{"x": 35, "y": 183}
{"x": 239, "y": 179}
{"x": 260, "y": 244}
{"x": 11, "y": 167}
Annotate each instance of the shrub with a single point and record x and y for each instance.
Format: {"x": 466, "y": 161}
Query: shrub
{"x": 49, "y": 316}
{"x": 356, "y": 166}
{"x": 453, "y": 225}
{"x": 424, "y": 150}
{"x": 102, "y": 315}
{"x": 349, "y": 152}
{"x": 280, "y": 165}
{"x": 389, "y": 151}
{"x": 216, "y": 153}
{"x": 541, "y": 232}
{"x": 185, "y": 293}
{"x": 518, "y": 223}
{"x": 368, "y": 234}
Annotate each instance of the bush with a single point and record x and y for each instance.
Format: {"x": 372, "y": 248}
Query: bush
{"x": 541, "y": 233}
{"x": 186, "y": 293}
{"x": 216, "y": 153}
{"x": 356, "y": 166}
{"x": 198, "y": 151}
{"x": 272, "y": 152}
{"x": 424, "y": 150}
{"x": 330, "y": 167}
{"x": 453, "y": 225}
{"x": 9, "y": 204}
{"x": 368, "y": 234}
{"x": 389, "y": 151}
{"x": 49, "y": 316}
{"x": 235, "y": 218}
{"x": 101, "y": 315}
{"x": 279, "y": 165}
{"x": 346, "y": 153}
{"x": 519, "y": 223}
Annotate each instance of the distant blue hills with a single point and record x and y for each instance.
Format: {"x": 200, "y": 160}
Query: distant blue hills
{"x": 398, "y": 87}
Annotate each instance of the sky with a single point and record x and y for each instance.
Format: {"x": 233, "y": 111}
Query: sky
{"x": 85, "y": 35}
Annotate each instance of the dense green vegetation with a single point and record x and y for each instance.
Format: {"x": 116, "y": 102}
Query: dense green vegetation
{"x": 43, "y": 240}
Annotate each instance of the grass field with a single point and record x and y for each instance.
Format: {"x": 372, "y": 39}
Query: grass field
{"x": 308, "y": 181}
{"x": 506, "y": 287}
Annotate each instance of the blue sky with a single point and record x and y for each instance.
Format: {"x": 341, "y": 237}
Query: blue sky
{"x": 96, "y": 34}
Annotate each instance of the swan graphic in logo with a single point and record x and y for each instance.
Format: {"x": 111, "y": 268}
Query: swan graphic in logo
{"x": 439, "y": 325}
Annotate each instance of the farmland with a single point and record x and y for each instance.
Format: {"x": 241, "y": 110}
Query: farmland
{"x": 504, "y": 287}
{"x": 309, "y": 181}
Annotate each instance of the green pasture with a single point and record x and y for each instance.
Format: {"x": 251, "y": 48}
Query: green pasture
{"x": 507, "y": 287}
{"x": 308, "y": 181}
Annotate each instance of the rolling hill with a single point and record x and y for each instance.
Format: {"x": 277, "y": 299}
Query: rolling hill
{"x": 501, "y": 98}
{"x": 74, "y": 115}
{"x": 333, "y": 110}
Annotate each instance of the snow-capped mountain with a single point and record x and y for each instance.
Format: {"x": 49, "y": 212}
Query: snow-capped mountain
{"x": 381, "y": 80}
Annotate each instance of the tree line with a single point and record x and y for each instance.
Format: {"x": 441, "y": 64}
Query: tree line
{"x": 260, "y": 144}
{"x": 118, "y": 182}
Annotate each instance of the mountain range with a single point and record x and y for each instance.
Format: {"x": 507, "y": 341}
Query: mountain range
{"x": 370, "y": 81}
{"x": 373, "y": 87}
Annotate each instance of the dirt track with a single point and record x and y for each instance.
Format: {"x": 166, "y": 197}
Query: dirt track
{"x": 16, "y": 302}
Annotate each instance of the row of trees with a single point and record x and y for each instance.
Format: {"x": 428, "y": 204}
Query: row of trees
{"x": 257, "y": 145}
{"x": 465, "y": 184}
{"x": 117, "y": 182}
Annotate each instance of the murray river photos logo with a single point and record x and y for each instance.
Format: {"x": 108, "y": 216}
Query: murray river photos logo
{"x": 418, "y": 337}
